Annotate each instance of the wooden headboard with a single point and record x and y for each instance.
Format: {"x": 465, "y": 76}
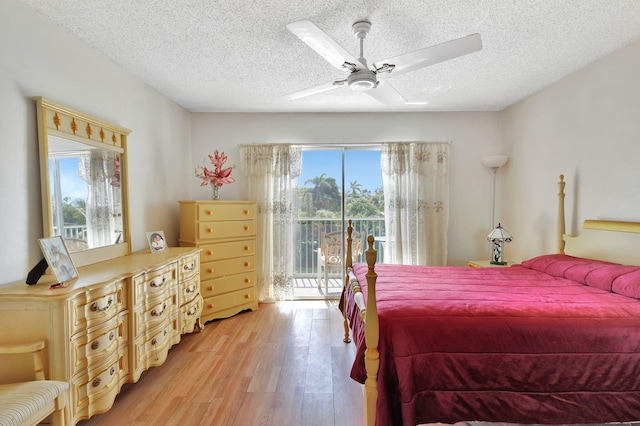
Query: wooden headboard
{"x": 608, "y": 240}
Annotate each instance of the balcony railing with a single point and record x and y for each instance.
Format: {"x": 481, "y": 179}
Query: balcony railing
{"x": 73, "y": 231}
{"x": 308, "y": 235}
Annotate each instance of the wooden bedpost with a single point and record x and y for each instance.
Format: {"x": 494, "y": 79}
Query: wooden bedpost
{"x": 348, "y": 261}
{"x": 371, "y": 336}
{"x": 561, "y": 224}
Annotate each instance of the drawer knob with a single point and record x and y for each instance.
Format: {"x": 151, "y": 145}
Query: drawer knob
{"x": 210, "y": 270}
{"x": 247, "y": 296}
{"x": 160, "y": 284}
{"x": 208, "y": 212}
{"x": 188, "y": 267}
{"x": 111, "y": 336}
{"x": 96, "y": 308}
{"x": 209, "y": 252}
{"x": 246, "y": 228}
{"x": 210, "y": 288}
{"x": 247, "y": 280}
{"x": 190, "y": 289}
{"x": 96, "y": 382}
{"x": 192, "y": 311}
{"x": 246, "y": 212}
{"x": 247, "y": 264}
{"x": 95, "y": 345}
{"x": 246, "y": 248}
{"x": 211, "y": 305}
{"x": 209, "y": 230}
{"x": 155, "y": 313}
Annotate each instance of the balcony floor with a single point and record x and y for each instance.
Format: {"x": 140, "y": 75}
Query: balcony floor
{"x": 307, "y": 288}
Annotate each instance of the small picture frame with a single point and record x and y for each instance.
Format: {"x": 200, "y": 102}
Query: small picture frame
{"x": 57, "y": 256}
{"x": 157, "y": 241}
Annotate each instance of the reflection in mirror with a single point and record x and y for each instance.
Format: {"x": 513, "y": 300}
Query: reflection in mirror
{"x": 86, "y": 196}
{"x": 83, "y": 181}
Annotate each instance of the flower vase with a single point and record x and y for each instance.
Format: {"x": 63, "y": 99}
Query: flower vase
{"x": 215, "y": 191}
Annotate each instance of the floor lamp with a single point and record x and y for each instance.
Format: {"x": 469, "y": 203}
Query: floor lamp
{"x": 494, "y": 162}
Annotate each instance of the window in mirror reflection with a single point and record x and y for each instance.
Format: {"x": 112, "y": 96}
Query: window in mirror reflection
{"x": 86, "y": 197}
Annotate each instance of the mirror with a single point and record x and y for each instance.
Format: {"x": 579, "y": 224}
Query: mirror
{"x": 83, "y": 182}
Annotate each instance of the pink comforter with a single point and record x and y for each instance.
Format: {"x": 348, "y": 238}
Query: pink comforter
{"x": 501, "y": 344}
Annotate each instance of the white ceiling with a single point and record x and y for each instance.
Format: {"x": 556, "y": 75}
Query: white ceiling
{"x": 237, "y": 55}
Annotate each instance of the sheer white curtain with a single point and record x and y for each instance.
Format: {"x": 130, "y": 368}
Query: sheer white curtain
{"x": 98, "y": 168}
{"x": 415, "y": 179}
{"x": 272, "y": 173}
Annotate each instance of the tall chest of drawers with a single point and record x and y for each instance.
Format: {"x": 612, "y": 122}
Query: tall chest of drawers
{"x": 226, "y": 233}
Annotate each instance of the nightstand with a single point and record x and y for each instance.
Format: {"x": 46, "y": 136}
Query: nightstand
{"x": 486, "y": 264}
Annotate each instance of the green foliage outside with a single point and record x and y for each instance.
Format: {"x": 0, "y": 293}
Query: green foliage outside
{"x": 322, "y": 199}
{"x": 74, "y": 212}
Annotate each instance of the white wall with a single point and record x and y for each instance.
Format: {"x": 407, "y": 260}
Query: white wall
{"x": 40, "y": 59}
{"x": 473, "y": 136}
{"x": 587, "y": 127}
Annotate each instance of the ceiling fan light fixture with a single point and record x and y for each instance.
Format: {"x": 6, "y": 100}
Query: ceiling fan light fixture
{"x": 362, "y": 80}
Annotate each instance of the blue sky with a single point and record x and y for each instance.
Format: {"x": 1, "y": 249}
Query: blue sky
{"x": 363, "y": 166}
{"x": 72, "y": 185}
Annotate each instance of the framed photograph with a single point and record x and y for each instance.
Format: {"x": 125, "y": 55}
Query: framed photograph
{"x": 57, "y": 256}
{"x": 157, "y": 242}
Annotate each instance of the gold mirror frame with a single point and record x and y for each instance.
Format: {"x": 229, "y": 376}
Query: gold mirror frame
{"x": 59, "y": 122}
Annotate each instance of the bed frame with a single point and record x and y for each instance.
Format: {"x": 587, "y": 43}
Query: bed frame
{"x": 612, "y": 241}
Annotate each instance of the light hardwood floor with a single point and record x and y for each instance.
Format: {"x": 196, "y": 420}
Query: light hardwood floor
{"x": 282, "y": 365}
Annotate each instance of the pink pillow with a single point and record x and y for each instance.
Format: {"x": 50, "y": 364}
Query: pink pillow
{"x": 542, "y": 263}
{"x": 627, "y": 284}
{"x": 604, "y": 276}
{"x": 594, "y": 273}
{"x": 564, "y": 266}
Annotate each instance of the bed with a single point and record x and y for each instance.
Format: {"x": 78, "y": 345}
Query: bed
{"x": 553, "y": 340}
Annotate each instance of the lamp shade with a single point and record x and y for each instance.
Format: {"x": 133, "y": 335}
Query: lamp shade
{"x": 495, "y": 161}
{"x": 499, "y": 234}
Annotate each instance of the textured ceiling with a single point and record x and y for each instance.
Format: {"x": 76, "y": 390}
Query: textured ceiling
{"x": 237, "y": 55}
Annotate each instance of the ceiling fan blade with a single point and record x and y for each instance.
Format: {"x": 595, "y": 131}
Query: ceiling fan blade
{"x": 386, "y": 93}
{"x": 324, "y": 45}
{"x": 433, "y": 55}
{"x": 313, "y": 90}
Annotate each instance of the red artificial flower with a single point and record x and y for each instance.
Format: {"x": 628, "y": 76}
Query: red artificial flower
{"x": 218, "y": 175}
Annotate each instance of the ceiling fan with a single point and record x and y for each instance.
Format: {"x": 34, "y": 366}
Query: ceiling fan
{"x": 373, "y": 81}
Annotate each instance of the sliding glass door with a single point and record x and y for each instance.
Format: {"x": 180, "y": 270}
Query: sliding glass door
{"x": 336, "y": 184}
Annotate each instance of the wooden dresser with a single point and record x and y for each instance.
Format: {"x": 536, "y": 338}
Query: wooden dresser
{"x": 226, "y": 233}
{"x": 117, "y": 319}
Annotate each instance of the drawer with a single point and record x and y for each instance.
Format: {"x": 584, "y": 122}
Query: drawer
{"x": 153, "y": 284}
{"x": 91, "y": 348}
{"x": 190, "y": 315}
{"x": 217, "y": 211}
{"x": 156, "y": 313}
{"x": 189, "y": 289}
{"x": 96, "y": 391}
{"x": 228, "y": 300}
{"x": 227, "y": 284}
{"x": 153, "y": 349}
{"x": 189, "y": 266}
{"x": 221, "y": 268}
{"x": 226, "y": 229}
{"x": 218, "y": 251}
{"x": 97, "y": 305}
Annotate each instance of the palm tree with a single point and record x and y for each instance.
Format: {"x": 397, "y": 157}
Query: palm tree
{"x": 355, "y": 187}
{"x": 325, "y": 192}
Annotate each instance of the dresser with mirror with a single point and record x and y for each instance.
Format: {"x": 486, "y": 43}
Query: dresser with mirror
{"x": 124, "y": 311}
